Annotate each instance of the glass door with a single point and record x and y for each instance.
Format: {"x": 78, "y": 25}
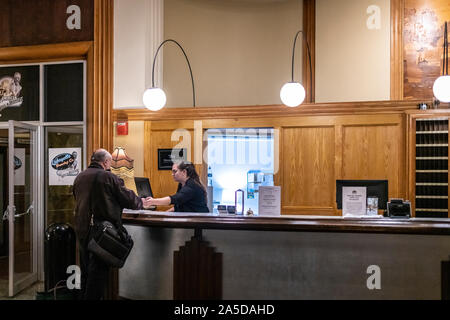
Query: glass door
{"x": 22, "y": 216}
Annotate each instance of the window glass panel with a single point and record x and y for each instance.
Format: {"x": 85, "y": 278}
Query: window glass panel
{"x": 19, "y": 93}
{"x": 64, "y": 160}
{"x": 63, "y": 92}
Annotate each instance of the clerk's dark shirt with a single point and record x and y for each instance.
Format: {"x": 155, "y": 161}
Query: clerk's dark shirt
{"x": 189, "y": 198}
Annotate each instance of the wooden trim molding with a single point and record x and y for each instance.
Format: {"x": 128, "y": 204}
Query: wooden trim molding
{"x": 397, "y": 13}
{"x": 47, "y": 52}
{"x": 100, "y": 129}
{"x": 269, "y": 111}
{"x": 309, "y": 27}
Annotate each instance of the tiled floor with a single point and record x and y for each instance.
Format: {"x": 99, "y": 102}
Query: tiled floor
{"x": 27, "y": 294}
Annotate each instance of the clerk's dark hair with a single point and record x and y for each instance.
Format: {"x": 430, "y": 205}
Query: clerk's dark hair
{"x": 191, "y": 173}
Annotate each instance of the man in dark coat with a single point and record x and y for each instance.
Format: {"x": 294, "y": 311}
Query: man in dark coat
{"x": 109, "y": 198}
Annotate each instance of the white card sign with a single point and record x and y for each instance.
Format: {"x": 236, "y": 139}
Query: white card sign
{"x": 269, "y": 200}
{"x": 354, "y": 200}
{"x": 63, "y": 165}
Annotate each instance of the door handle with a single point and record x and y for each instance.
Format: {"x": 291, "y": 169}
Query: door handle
{"x": 6, "y": 213}
{"x": 29, "y": 211}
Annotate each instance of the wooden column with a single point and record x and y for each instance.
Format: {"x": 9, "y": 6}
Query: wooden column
{"x": 197, "y": 271}
{"x": 100, "y": 96}
{"x": 309, "y": 27}
{"x": 397, "y": 9}
{"x": 100, "y": 85}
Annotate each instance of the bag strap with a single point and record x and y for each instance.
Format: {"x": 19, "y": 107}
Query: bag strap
{"x": 118, "y": 225}
{"x": 93, "y": 188}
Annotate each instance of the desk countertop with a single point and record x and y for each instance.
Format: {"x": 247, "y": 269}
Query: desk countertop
{"x": 306, "y": 223}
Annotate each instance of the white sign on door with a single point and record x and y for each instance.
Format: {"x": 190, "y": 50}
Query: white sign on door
{"x": 63, "y": 165}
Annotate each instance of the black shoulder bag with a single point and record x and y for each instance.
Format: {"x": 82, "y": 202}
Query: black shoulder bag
{"x": 109, "y": 243}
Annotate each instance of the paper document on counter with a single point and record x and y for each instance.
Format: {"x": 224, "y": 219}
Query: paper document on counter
{"x": 364, "y": 216}
{"x": 354, "y": 200}
{"x": 269, "y": 201}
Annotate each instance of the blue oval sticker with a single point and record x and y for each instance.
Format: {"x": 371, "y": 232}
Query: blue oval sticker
{"x": 62, "y": 161}
{"x": 17, "y": 163}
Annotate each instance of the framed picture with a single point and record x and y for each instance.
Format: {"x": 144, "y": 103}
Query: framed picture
{"x": 166, "y": 157}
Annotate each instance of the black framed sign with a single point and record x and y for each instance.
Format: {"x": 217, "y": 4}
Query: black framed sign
{"x": 166, "y": 157}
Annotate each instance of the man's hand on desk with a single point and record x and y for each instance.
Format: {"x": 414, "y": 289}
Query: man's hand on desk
{"x": 158, "y": 201}
{"x": 146, "y": 202}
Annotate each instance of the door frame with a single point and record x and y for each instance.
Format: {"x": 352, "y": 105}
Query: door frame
{"x": 14, "y": 286}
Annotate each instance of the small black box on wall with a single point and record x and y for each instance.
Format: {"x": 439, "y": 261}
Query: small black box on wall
{"x": 166, "y": 157}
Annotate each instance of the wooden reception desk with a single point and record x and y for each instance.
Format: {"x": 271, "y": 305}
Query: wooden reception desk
{"x": 198, "y": 256}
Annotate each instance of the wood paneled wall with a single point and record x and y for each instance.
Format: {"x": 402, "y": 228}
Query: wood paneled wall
{"x": 307, "y": 168}
{"x": 161, "y": 180}
{"x": 315, "y": 155}
{"x": 314, "y": 150}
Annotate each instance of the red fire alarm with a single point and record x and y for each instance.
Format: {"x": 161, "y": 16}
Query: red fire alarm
{"x": 122, "y": 128}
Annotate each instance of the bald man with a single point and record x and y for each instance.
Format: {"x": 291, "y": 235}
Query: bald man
{"x": 105, "y": 201}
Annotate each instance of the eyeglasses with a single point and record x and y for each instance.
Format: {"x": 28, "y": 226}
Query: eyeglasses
{"x": 174, "y": 171}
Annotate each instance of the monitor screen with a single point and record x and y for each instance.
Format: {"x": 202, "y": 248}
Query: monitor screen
{"x": 375, "y": 188}
{"x": 143, "y": 187}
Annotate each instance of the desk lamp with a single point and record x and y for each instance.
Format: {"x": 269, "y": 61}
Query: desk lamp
{"x": 292, "y": 93}
{"x": 154, "y": 98}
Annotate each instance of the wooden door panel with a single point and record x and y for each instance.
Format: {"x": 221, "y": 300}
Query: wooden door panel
{"x": 308, "y": 167}
{"x": 372, "y": 152}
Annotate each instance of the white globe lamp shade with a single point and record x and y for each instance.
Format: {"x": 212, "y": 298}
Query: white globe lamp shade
{"x": 441, "y": 88}
{"x": 154, "y": 99}
{"x": 292, "y": 94}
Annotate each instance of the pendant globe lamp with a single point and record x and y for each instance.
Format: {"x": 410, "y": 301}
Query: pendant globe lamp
{"x": 154, "y": 98}
{"x": 292, "y": 93}
{"x": 441, "y": 87}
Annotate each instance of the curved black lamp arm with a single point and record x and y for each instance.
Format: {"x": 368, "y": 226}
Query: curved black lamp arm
{"x": 309, "y": 56}
{"x": 189, "y": 65}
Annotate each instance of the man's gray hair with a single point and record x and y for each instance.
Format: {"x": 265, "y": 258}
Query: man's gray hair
{"x": 100, "y": 156}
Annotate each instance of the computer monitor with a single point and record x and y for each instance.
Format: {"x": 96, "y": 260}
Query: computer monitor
{"x": 143, "y": 187}
{"x": 375, "y": 188}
